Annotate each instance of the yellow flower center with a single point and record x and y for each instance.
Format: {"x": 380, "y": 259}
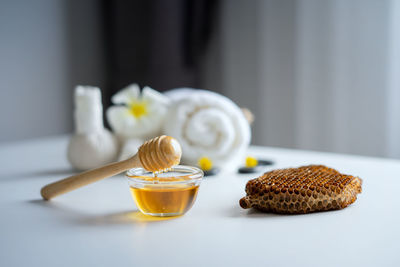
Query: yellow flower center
{"x": 251, "y": 162}
{"x": 138, "y": 109}
{"x": 205, "y": 164}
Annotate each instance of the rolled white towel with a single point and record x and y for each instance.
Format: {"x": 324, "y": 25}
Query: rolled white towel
{"x": 207, "y": 124}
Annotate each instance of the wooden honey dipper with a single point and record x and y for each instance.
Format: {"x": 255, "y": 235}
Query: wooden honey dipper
{"x": 155, "y": 155}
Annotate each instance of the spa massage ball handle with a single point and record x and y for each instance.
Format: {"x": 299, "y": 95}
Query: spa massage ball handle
{"x": 156, "y": 154}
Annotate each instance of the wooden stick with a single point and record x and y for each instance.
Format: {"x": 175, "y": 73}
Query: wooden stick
{"x": 76, "y": 181}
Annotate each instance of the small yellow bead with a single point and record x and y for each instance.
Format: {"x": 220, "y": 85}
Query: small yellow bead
{"x": 205, "y": 164}
{"x": 251, "y": 162}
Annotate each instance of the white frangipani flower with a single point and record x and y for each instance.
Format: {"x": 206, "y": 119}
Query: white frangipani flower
{"x": 137, "y": 115}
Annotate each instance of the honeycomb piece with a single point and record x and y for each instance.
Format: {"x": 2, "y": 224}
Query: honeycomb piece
{"x": 301, "y": 190}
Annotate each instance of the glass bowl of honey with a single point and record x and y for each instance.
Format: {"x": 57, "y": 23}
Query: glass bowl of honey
{"x": 170, "y": 193}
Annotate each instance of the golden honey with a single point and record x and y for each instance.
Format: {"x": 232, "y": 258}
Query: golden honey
{"x": 169, "y": 193}
{"x": 165, "y": 200}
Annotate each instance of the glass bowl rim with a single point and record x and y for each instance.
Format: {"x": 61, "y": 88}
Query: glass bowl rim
{"x": 194, "y": 173}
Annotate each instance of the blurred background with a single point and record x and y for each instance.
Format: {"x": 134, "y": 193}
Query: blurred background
{"x": 319, "y": 75}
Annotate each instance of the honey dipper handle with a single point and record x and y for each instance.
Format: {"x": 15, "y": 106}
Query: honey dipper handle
{"x": 76, "y": 181}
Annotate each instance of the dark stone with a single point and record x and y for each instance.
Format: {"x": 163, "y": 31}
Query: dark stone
{"x": 262, "y": 162}
{"x": 247, "y": 170}
{"x": 213, "y": 171}
{"x": 259, "y": 168}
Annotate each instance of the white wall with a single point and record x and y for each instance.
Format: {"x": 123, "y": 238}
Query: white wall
{"x": 342, "y": 75}
{"x": 316, "y": 73}
{"x": 393, "y": 95}
{"x": 46, "y": 47}
{"x": 252, "y": 62}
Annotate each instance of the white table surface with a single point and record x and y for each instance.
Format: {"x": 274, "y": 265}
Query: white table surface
{"x": 99, "y": 225}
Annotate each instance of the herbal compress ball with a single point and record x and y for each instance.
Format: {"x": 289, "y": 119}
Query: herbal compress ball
{"x": 301, "y": 190}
